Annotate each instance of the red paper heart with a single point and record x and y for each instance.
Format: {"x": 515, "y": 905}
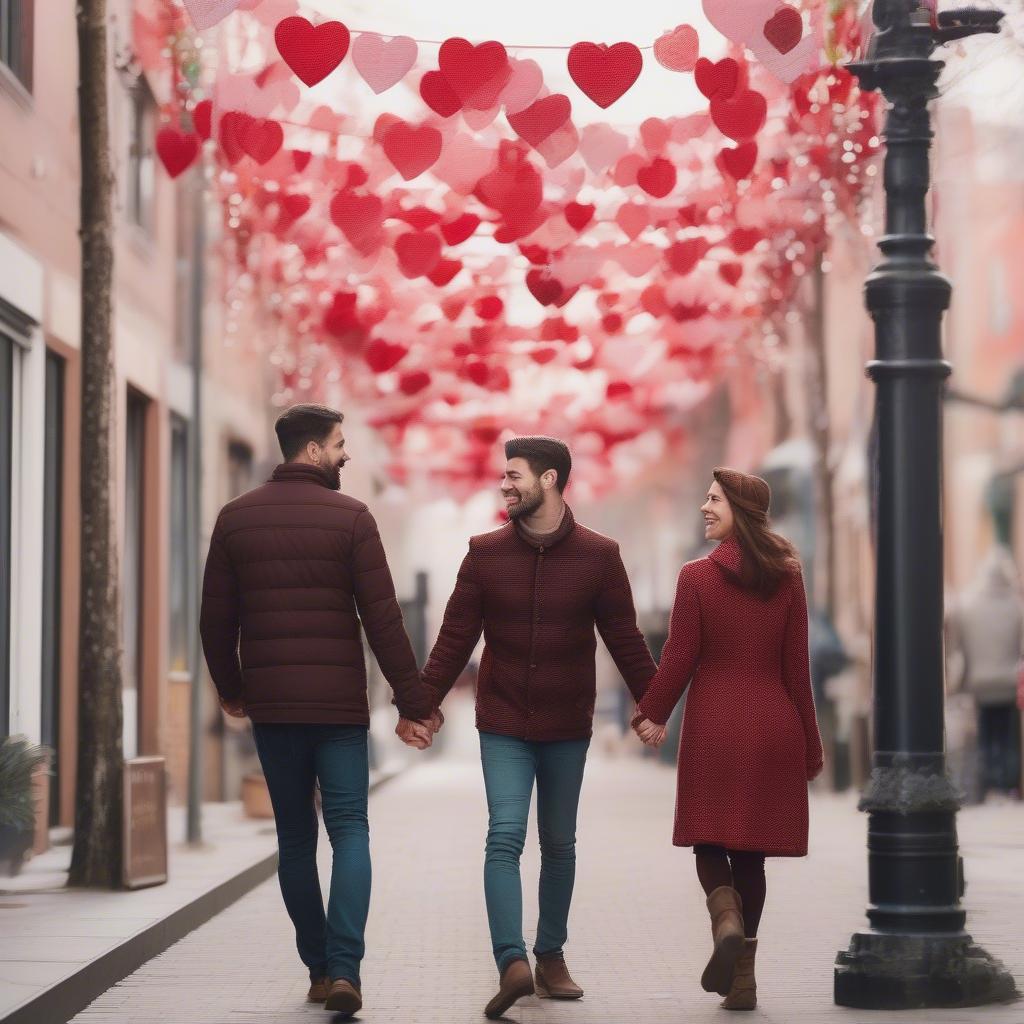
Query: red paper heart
{"x": 738, "y": 162}
{"x": 716, "y": 79}
{"x": 652, "y": 298}
{"x": 515, "y": 190}
{"x": 458, "y": 230}
{"x": 478, "y": 73}
{"x": 604, "y": 73}
{"x": 359, "y": 216}
{"x": 543, "y": 287}
{"x": 677, "y": 50}
{"x": 541, "y": 118}
{"x": 741, "y": 116}
{"x": 177, "y": 150}
{"x": 657, "y": 178}
{"x": 382, "y": 355}
{"x": 438, "y": 94}
{"x": 784, "y": 28}
{"x": 452, "y": 307}
{"x": 477, "y": 371}
{"x": 578, "y": 215}
{"x": 730, "y": 272}
{"x": 412, "y": 149}
{"x": 202, "y": 117}
{"x": 444, "y": 272}
{"x": 342, "y": 321}
{"x": 291, "y": 208}
{"x": 682, "y": 312}
{"x": 742, "y": 240}
{"x": 419, "y": 217}
{"x": 301, "y": 158}
{"x": 536, "y": 254}
{"x": 311, "y": 51}
{"x": 233, "y": 126}
{"x": 262, "y": 138}
{"x": 481, "y": 335}
{"x": 414, "y": 382}
{"x": 618, "y": 389}
{"x": 685, "y": 255}
{"x": 544, "y": 354}
{"x": 612, "y": 323}
{"x": 489, "y": 307}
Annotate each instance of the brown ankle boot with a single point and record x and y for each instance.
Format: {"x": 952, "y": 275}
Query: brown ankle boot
{"x": 552, "y": 979}
{"x": 743, "y": 994}
{"x": 726, "y": 911}
{"x": 344, "y": 998}
{"x": 318, "y": 989}
{"x": 516, "y": 982}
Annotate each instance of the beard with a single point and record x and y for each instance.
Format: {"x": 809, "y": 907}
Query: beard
{"x": 332, "y": 473}
{"x": 528, "y": 504}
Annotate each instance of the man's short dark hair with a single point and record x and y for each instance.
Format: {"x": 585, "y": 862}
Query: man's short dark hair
{"x": 542, "y": 454}
{"x": 300, "y": 424}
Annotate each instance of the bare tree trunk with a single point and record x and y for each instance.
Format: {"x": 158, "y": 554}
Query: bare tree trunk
{"x": 821, "y": 434}
{"x": 96, "y": 858}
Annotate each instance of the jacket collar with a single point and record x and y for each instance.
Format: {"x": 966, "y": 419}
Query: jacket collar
{"x": 563, "y": 531}
{"x": 301, "y": 472}
{"x": 729, "y": 555}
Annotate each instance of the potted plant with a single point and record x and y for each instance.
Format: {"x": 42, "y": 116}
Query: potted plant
{"x": 19, "y": 762}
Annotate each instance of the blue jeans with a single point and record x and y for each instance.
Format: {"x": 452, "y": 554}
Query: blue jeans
{"x": 295, "y": 757}
{"x": 510, "y": 767}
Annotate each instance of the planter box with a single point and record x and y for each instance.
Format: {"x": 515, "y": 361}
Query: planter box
{"x": 256, "y": 796}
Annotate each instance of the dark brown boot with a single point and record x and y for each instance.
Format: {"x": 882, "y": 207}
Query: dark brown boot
{"x": 318, "y": 989}
{"x": 552, "y": 979}
{"x": 516, "y": 982}
{"x": 743, "y": 994}
{"x": 726, "y": 911}
{"x": 344, "y": 998}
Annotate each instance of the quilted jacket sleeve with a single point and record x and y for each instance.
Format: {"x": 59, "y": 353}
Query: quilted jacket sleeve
{"x": 615, "y": 615}
{"x": 381, "y": 616}
{"x": 218, "y": 618}
{"x": 460, "y": 631}
{"x": 796, "y": 673}
{"x": 679, "y": 655}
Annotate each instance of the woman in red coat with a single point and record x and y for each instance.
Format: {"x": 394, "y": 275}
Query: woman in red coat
{"x": 750, "y": 742}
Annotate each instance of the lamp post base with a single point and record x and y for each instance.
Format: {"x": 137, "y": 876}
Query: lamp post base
{"x": 904, "y": 972}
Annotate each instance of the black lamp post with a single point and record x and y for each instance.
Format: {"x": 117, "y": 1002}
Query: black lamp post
{"x": 916, "y": 952}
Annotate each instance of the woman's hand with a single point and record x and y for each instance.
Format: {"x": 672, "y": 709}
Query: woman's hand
{"x": 652, "y": 735}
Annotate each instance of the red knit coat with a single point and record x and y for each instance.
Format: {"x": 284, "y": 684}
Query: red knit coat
{"x": 537, "y": 603}
{"x": 750, "y": 738}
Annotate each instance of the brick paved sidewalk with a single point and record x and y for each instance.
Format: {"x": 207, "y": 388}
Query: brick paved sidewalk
{"x": 639, "y": 931}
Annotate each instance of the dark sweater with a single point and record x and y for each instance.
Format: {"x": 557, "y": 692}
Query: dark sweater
{"x": 294, "y": 568}
{"x": 537, "y": 603}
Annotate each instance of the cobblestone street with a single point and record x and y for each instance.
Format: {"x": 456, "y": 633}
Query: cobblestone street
{"x": 639, "y": 931}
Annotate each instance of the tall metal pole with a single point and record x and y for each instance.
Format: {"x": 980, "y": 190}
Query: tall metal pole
{"x": 195, "y": 465}
{"x": 916, "y": 952}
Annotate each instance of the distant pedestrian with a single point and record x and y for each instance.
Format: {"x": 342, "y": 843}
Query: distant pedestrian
{"x": 750, "y": 742}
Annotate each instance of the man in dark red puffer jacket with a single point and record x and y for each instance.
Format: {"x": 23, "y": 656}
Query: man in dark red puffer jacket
{"x": 536, "y": 588}
{"x": 294, "y": 569}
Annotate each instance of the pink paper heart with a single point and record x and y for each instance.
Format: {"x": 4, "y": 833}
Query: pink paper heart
{"x": 577, "y": 266}
{"x": 206, "y": 13}
{"x": 627, "y": 168}
{"x": 523, "y": 87}
{"x": 463, "y": 163}
{"x": 381, "y": 63}
{"x": 787, "y": 67}
{"x": 479, "y": 119}
{"x": 560, "y": 145}
{"x": 679, "y": 49}
{"x": 601, "y": 145}
{"x": 637, "y": 260}
{"x": 632, "y": 218}
{"x": 739, "y": 22}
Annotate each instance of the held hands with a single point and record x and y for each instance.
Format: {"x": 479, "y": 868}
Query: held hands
{"x": 419, "y": 734}
{"x": 651, "y": 734}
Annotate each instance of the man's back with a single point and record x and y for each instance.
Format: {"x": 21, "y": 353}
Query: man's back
{"x": 293, "y": 567}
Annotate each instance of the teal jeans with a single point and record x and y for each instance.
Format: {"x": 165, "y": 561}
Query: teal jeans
{"x": 510, "y": 768}
{"x": 295, "y": 758}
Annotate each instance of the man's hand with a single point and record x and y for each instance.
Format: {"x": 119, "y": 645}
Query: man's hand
{"x": 415, "y": 734}
{"x": 234, "y": 708}
{"x": 653, "y": 735}
{"x": 436, "y": 720}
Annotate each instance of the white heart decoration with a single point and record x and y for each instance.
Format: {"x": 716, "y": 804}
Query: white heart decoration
{"x": 206, "y": 13}
{"x": 383, "y": 64}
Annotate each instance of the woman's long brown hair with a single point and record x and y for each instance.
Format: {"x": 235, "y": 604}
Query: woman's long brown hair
{"x": 768, "y": 558}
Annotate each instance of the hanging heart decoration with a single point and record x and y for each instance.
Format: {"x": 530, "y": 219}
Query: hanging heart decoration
{"x": 605, "y": 73}
{"x": 311, "y": 51}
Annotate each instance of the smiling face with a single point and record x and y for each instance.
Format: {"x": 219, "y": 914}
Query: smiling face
{"x": 718, "y": 517}
{"x": 522, "y": 491}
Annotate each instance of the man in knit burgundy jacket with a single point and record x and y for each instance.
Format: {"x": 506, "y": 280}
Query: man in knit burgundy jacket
{"x": 296, "y": 571}
{"x": 536, "y": 589}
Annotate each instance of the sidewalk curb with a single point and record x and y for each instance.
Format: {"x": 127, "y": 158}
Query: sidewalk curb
{"x": 59, "y": 1003}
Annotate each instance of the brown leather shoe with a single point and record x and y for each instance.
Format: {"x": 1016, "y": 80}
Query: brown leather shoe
{"x": 726, "y": 911}
{"x": 516, "y": 982}
{"x": 318, "y": 989}
{"x": 344, "y": 998}
{"x": 743, "y": 994}
{"x": 552, "y": 979}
